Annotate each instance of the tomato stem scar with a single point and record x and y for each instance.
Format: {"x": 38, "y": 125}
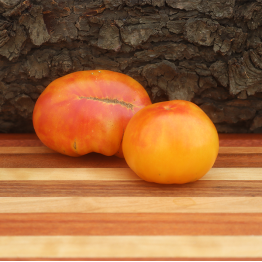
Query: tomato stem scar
{"x": 110, "y": 101}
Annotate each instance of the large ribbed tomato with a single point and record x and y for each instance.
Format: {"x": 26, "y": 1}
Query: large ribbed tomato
{"x": 87, "y": 111}
{"x": 170, "y": 142}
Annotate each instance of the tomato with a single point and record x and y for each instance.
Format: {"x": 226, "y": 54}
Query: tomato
{"x": 170, "y": 142}
{"x": 87, "y": 111}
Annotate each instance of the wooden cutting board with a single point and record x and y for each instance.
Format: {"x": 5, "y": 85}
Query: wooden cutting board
{"x": 54, "y": 207}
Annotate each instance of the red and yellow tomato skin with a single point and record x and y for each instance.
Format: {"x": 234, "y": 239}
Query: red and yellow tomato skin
{"x": 171, "y": 142}
{"x": 87, "y": 111}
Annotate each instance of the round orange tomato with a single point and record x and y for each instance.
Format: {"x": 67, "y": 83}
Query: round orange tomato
{"x": 170, "y": 142}
{"x": 88, "y": 111}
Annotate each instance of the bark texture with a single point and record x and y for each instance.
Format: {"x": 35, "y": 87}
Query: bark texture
{"x": 205, "y": 51}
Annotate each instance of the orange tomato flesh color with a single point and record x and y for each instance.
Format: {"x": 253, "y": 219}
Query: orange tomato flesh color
{"x": 170, "y": 142}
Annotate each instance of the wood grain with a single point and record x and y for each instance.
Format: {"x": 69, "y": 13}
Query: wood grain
{"x": 27, "y": 150}
{"x": 240, "y": 150}
{"x": 204, "y": 188}
{"x": 72, "y": 174}
{"x": 59, "y": 161}
{"x": 238, "y": 160}
{"x": 94, "y": 160}
{"x": 130, "y": 224}
{"x": 45, "y": 150}
{"x": 131, "y": 204}
{"x": 240, "y": 140}
{"x": 131, "y": 246}
{"x": 20, "y": 140}
{"x": 226, "y": 140}
{"x": 55, "y": 207}
{"x": 133, "y": 259}
{"x": 118, "y": 173}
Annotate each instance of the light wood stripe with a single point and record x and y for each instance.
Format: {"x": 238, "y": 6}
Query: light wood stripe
{"x": 131, "y": 205}
{"x": 115, "y": 174}
{"x": 68, "y": 174}
{"x": 234, "y": 174}
{"x": 130, "y": 246}
{"x": 240, "y": 150}
{"x": 116, "y": 224}
{"x": 46, "y": 150}
{"x": 27, "y": 150}
{"x": 133, "y": 259}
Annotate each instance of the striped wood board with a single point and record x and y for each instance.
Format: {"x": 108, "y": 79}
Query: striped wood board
{"x": 54, "y": 207}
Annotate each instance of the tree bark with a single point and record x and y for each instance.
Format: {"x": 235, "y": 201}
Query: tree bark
{"x": 205, "y": 51}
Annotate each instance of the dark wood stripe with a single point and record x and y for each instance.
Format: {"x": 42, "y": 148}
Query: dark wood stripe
{"x": 19, "y": 140}
{"x": 238, "y": 160}
{"x": 247, "y": 140}
{"x": 140, "y": 188}
{"x": 235, "y": 140}
{"x": 97, "y": 160}
{"x": 240, "y": 140}
{"x": 227, "y": 140}
{"x": 130, "y": 224}
{"x": 59, "y": 161}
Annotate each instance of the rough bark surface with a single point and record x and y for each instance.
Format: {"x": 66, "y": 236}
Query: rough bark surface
{"x": 205, "y": 51}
